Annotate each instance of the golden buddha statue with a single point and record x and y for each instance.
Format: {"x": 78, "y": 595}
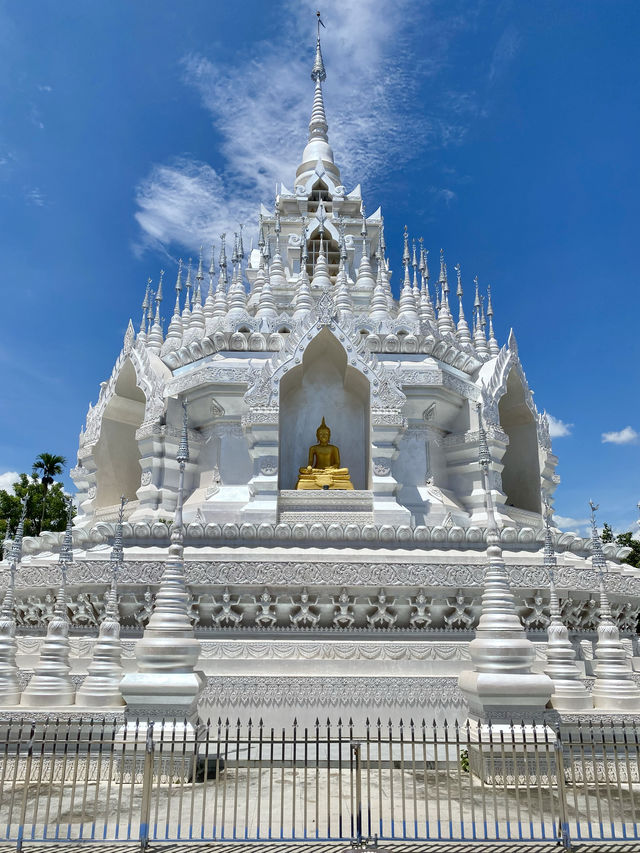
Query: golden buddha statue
{"x": 323, "y": 470}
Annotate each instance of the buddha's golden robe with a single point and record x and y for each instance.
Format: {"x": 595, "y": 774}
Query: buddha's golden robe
{"x": 323, "y": 469}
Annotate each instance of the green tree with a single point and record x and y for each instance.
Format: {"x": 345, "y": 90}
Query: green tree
{"x": 628, "y": 541}
{"x": 623, "y": 539}
{"x": 55, "y": 517}
{"x": 607, "y": 533}
{"x": 47, "y": 466}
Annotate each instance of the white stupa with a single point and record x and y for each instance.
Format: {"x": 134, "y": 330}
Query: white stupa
{"x": 316, "y": 603}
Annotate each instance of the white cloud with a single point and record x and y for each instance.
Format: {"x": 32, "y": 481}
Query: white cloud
{"x": 558, "y": 428}
{"x": 505, "y": 50}
{"x": 260, "y": 110}
{"x": 573, "y": 525}
{"x": 7, "y": 479}
{"x": 186, "y": 202}
{"x": 36, "y": 197}
{"x": 628, "y": 435}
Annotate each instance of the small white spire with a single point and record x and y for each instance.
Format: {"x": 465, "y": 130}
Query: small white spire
{"x": 51, "y": 684}
{"x": 379, "y": 309}
{"x": 101, "y": 687}
{"x": 407, "y": 307}
{"x": 321, "y": 269}
{"x": 303, "y": 301}
{"x": 569, "y": 691}
{"x": 614, "y": 688}
{"x": 9, "y": 684}
{"x": 155, "y": 337}
{"x": 494, "y": 347}
{"x": 364, "y": 278}
{"x": 414, "y": 264}
{"x": 258, "y": 282}
{"x": 142, "y": 334}
{"x": 186, "y": 312}
{"x": 445, "y": 320}
{"x": 343, "y": 301}
{"x": 479, "y": 339}
{"x": 427, "y": 314}
{"x": 277, "y": 271}
{"x": 267, "y": 304}
{"x": 175, "y": 331}
{"x": 209, "y": 305}
{"x": 464, "y": 334}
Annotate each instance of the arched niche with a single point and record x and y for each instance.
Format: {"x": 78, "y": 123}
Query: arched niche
{"x": 324, "y": 385}
{"x": 116, "y": 453}
{"x": 331, "y": 252}
{"x": 521, "y": 473}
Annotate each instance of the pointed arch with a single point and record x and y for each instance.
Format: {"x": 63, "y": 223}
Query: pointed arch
{"x": 331, "y": 251}
{"x": 521, "y": 471}
{"x": 325, "y": 385}
{"x": 116, "y": 452}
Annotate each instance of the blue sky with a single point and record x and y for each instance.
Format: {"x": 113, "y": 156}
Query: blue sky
{"x": 505, "y": 132}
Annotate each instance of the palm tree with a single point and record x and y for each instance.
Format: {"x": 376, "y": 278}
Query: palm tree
{"x": 47, "y": 466}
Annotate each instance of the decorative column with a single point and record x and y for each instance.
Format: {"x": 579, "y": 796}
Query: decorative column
{"x": 51, "y": 685}
{"x": 614, "y": 688}
{"x": 261, "y": 426}
{"x": 502, "y": 684}
{"x": 9, "y": 685}
{"x": 166, "y": 684}
{"x": 101, "y": 687}
{"x": 569, "y": 691}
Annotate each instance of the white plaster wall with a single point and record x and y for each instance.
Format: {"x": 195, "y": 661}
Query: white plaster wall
{"x": 521, "y": 473}
{"x": 324, "y": 385}
{"x": 118, "y": 463}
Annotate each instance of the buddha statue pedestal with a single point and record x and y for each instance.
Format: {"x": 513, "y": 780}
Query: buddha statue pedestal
{"x": 328, "y": 478}
{"x": 323, "y": 470}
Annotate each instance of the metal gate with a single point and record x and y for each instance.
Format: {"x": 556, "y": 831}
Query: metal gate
{"x": 85, "y": 780}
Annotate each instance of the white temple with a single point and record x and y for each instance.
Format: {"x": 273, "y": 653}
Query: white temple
{"x": 322, "y": 602}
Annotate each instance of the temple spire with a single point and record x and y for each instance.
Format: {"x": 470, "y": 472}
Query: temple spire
{"x": 174, "y": 332}
{"x": 101, "y": 687}
{"x": 9, "y": 684}
{"x": 414, "y": 264}
{"x": 145, "y": 307}
{"x": 318, "y": 126}
{"x": 176, "y": 310}
{"x": 51, "y": 684}
{"x": 479, "y": 339}
{"x": 209, "y": 305}
{"x": 407, "y": 309}
{"x": 445, "y": 320}
{"x": 502, "y": 656}
{"x": 494, "y": 347}
{"x": 463, "y": 328}
{"x": 317, "y": 148}
{"x": 186, "y": 313}
{"x": 614, "y": 688}
{"x": 569, "y": 691}
{"x": 155, "y": 336}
